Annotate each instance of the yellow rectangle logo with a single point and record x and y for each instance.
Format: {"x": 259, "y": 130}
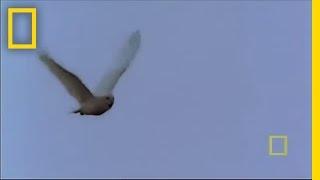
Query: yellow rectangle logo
{"x": 284, "y": 139}
{"x": 33, "y": 44}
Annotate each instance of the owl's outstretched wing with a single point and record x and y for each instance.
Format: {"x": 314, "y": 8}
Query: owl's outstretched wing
{"x": 126, "y": 55}
{"x": 70, "y": 81}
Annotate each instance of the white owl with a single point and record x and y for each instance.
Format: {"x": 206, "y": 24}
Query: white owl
{"x": 102, "y": 100}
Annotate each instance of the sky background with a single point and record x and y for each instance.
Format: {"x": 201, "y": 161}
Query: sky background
{"x": 211, "y": 82}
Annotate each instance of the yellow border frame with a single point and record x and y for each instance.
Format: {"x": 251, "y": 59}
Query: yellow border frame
{"x": 315, "y": 71}
{"x": 285, "y": 145}
{"x": 315, "y": 88}
{"x": 11, "y": 44}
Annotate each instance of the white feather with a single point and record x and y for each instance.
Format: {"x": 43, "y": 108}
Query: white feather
{"x": 71, "y": 82}
{"x": 126, "y": 55}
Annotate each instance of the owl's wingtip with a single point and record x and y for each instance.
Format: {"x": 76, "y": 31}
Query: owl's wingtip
{"x": 43, "y": 55}
{"x": 137, "y": 34}
{"x": 135, "y": 37}
{"x": 137, "y": 31}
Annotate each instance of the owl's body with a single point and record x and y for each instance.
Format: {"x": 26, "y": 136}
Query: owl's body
{"x": 96, "y": 105}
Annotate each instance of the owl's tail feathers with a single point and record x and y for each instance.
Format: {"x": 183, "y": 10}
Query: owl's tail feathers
{"x": 77, "y": 111}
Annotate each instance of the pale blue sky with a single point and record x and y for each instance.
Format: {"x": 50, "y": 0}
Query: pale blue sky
{"x": 211, "y": 82}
